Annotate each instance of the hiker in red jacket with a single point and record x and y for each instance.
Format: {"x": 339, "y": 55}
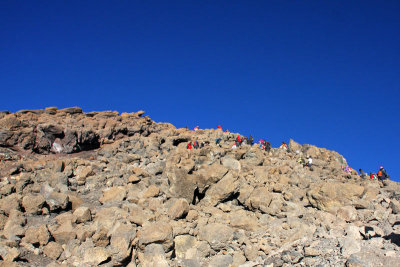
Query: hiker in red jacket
{"x": 189, "y": 146}
{"x": 238, "y": 141}
{"x": 219, "y": 127}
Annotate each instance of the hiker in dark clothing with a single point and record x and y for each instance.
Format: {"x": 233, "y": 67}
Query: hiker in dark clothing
{"x": 250, "y": 140}
{"x": 362, "y": 173}
{"x": 217, "y": 141}
{"x": 196, "y": 144}
{"x": 267, "y": 146}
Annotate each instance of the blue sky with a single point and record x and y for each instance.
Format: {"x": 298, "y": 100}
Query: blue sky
{"x": 321, "y": 72}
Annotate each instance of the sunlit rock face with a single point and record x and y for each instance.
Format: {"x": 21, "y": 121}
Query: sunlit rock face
{"x": 110, "y": 189}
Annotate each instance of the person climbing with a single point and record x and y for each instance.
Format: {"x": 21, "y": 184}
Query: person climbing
{"x": 238, "y": 141}
{"x": 267, "y": 146}
{"x": 362, "y": 174}
{"x": 189, "y": 146}
{"x": 283, "y": 146}
{"x": 382, "y": 174}
{"x": 196, "y": 128}
{"x": 309, "y": 163}
{"x": 372, "y": 176}
{"x": 251, "y": 140}
{"x": 261, "y": 144}
{"x": 217, "y": 141}
{"x": 219, "y": 127}
{"x": 196, "y": 144}
{"x": 301, "y": 161}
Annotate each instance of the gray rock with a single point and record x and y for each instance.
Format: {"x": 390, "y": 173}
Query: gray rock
{"x": 154, "y": 256}
{"x": 221, "y": 261}
{"x": 217, "y": 235}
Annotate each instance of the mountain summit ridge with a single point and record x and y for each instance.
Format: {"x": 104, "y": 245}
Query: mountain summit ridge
{"x": 110, "y": 189}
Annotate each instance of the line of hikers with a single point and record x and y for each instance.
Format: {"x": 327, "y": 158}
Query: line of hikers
{"x": 380, "y": 175}
{"x": 265, "y": 145}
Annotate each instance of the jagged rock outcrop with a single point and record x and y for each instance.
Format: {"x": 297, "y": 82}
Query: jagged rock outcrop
{"x": 110, "y": 189}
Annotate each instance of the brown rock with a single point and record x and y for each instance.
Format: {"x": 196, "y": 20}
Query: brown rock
{"x": 330, "y": 196}
{"x": 82, "y": 214}
{"x": 225, "y": 188}
{"x": 113, "y": 194}
{"x": 133, "y": 179}
{"x": 72, "y": 110}
{"x": 57, "y": 201}
{"x": 96, "y": 255}
{"x": 33, "y": 203}
{"x": 347, "y": 213}
{"x": 12, "y": 254}
{"x": 64, "y": 233}
{"x": 121, "y": 241}
{"x": 157, "y": 232}
{"x": 10, "y": 202}
{"x": 37, "y": 235}
{"x": 14, "y": 225}
{"x": 184, "y": 243}
{"x": 179, "y": 209}
{"x": 53, "y": 250}
{"x": 152, "y": 191}
{"x": 259, "y": 198}
{"x": 139, "y": 216}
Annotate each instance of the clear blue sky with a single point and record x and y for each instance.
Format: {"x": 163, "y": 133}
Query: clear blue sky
{"x": 320, "y": 72}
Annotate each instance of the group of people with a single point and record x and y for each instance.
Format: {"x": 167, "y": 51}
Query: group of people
{"x": 196, "y": 144}
{"x": 265, "y": 145}
{"x": 380, "y": 175}
{"x": 305, "y": 163}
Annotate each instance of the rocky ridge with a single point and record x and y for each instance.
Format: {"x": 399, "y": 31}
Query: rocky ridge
{"x": 110, "y": 189}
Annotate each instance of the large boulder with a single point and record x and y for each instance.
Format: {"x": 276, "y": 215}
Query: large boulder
{"x": 330, "y": 196}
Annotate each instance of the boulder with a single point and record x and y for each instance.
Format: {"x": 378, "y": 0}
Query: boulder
{"x": 395, "y": 206}
{"x": 122, "y": 236}
{"x": 220, "y": 261}
{"x": 82, "y": 215}
{"x": 152, "y": 191}
{"x": 184, "y": 243}
{"x": 179, "y": 209}
{"x": 14, "y": 227}
{"x": 64, "y": 233}
{"x": 33, "y": 204}
{"x": 216, "y": 234}
{"x": 156, "y": 232}
{"x": 53, "y": 250}
{"x": 231, "y": 163}
{"x": 95, "y": 256}
{"x": 57, "y": 201}
{"x": 222, "y": 190}
{"x": 113, "y": 194}
{"x": 350, "y": 246}
{"x": 154, "y": 256}
{"x": 260, "y": 198}
{"x": 37, "y": 235}
{"x": 347, "y": 213}
{"x": 330, "y": 196}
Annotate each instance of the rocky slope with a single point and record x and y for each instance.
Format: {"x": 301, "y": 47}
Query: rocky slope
{"x": 109, "y": 189}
